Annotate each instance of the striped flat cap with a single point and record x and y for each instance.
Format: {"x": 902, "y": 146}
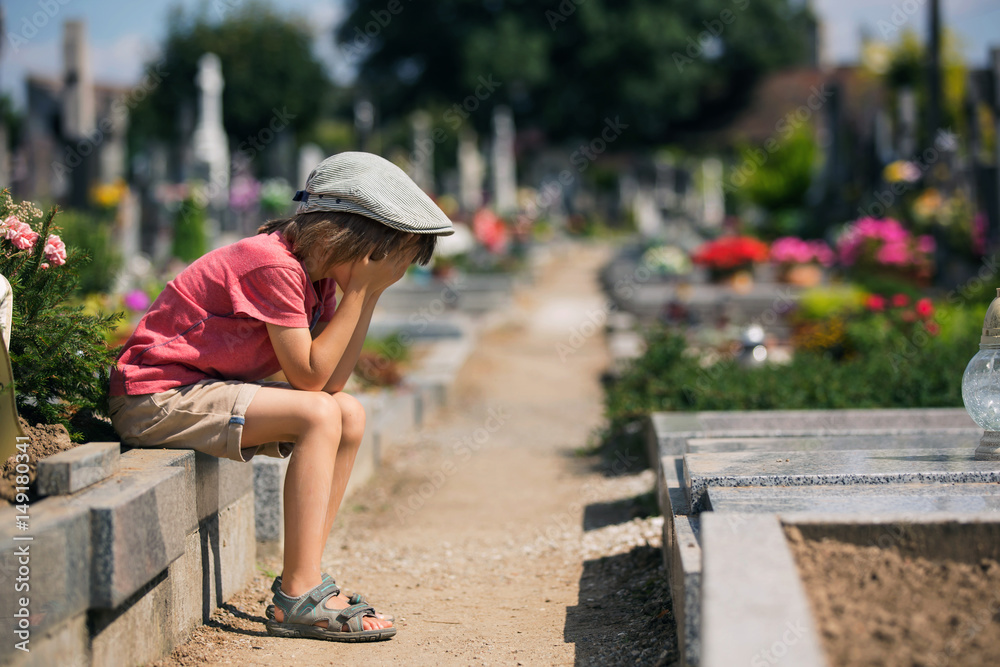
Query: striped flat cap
{"x": 371, "y": 186}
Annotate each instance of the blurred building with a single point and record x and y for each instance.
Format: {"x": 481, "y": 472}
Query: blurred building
{"x": 74, "y": 136}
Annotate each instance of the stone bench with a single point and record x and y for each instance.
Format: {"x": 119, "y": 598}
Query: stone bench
{"x": 128, "y": 553}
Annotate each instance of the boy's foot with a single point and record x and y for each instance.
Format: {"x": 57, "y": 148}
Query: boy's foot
{"x": 334, "y": 603}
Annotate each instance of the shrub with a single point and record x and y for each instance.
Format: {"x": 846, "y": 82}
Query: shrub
{"x": 58, "y": 355}
{"x": 889, "y": 367}
{"x": 190, "y": 241}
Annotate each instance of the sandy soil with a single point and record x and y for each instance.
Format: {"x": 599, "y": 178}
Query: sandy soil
{"x": 487, "y": 535}
{"x": 879, "y": 608}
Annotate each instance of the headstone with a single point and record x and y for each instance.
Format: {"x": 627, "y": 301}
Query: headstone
{"x": 422, "y": 159}
{"x": 504, "y": 164}
{"x": 470, "y": 168}
{"x": 78, "y": 111}
{"x": 713, "y": 197}
{"x": 364, "y": 121}
{"x": 907, "y": 142}
{"x": 211, "y": 147}
{"x": 310, "y": 155}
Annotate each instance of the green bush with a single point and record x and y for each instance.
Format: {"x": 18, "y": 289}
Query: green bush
{"x": 889, "y": 367}
{"x": 93, "y": 236}
{"x": 190, "y": 241}
{"x": 58, "y": 354}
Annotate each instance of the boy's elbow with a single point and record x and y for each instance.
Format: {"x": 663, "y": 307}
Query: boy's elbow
{"x": 305, "y": 382}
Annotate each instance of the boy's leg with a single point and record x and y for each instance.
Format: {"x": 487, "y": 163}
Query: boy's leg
{"x": 315, "y": 423}
{"x": 352, "y": 431}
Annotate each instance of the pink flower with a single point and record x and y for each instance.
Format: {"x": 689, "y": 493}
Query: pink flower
{"x": 137, "y": 300}
{"x": 55, "y": 250}
{"x": 19, "y": 233}
{"x": 925, "y": 308}
{"x": 875, "y": 302}
{"x": 44, "y": 265}
{"x": 926, "y": 244}
{"x": 932, "y": 328}
{"x": 900, "y": 300}
{"x": 893, "y": 253}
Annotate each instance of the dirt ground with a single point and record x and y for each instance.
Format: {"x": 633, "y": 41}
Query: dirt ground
{"x": 488, "y": 535}
{"x": 876, "y": 607}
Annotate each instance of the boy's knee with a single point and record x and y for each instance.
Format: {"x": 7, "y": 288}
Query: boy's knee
{"x": 324, "y": 411}
{"x": 352, "y": 415}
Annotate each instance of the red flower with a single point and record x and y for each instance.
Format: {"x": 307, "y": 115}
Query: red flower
{"x": 900, "y": 300}
{"x": 730, "y": 252}
{"x": 909, "y": 316}
{"x": 932, "y": 328}
{"x": 925, "y": 308}
{"x": 875, "y": 302}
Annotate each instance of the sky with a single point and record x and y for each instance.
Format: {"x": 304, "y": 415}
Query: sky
{"x": 124, "y": 34}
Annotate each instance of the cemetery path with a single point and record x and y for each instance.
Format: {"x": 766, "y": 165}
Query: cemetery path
{"x": 488, "y": 535}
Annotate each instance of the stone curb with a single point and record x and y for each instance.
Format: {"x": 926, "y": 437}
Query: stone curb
{"x": 74, "y": 469}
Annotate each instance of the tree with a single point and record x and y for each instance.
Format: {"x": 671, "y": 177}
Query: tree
{"x": 267, "y": 62}
{"x": 567, "y": 65}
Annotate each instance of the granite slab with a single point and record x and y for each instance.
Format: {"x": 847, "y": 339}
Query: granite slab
{"x": 950, "y": 439}
{"x": 840, "y": 468}
{"x": 668, "y": 432}
{"x": 682, "y": 559}
{"x": 754, "y": 605}
{"x": 916, "y": 499}
{"x": 77, "y": 468}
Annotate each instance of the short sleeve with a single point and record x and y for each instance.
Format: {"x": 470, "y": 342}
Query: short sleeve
{"x": 272, "y": 294}
{"x": 328, "y": 295}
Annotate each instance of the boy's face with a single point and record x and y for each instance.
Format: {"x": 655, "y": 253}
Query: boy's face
{"x": 398, "y": 262}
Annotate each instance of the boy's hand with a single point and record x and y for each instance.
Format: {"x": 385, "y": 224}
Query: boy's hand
{"x": 376, "y": 275}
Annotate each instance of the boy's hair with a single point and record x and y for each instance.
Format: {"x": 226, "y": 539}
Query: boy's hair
{"x": 340, "y": 237}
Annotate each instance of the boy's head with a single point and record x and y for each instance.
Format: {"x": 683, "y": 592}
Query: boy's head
{"x": 359, "y": 204}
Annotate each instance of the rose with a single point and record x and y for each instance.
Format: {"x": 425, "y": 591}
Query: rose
{"x": 19, "y": 233}
{"x": 55, "y": 250}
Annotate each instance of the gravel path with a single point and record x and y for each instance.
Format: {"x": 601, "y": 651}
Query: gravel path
{"x": 487, "y": 536}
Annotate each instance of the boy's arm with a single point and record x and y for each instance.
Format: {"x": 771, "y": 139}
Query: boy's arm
{"x": 309, "y": 363}
{"x": 350, "y": 357}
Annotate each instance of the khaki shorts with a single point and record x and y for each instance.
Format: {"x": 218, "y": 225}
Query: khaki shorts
{"x": 207, "y": 416}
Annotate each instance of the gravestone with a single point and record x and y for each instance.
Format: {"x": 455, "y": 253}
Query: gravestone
{"x": 422, "y": 159}
{"x": 504, "y": 165}
{"x": 10, "y": 427}
{"x": 470, "y": 170}
{"x": 211, "y": 148}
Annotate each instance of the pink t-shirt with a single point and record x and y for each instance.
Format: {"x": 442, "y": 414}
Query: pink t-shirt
{"x": 209, "y": 321}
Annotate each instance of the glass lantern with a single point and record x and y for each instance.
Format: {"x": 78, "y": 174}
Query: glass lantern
{"x": 981, "y": 385}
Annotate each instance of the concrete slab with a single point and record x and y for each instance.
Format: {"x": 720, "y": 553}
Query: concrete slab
{"x": 55, "y": 553}
{"x": 839, "y": 468}
{"x": 64, "y": 645}
{"x": 142, "y": 512}
{"x": 858, "y": 499}
{"x": 668, "y": 432}
{"x": 950, "y": 439}
{"x": 77, "y": 468}
{"x": 754, "y": 606}
{"x": 682, "y": 559}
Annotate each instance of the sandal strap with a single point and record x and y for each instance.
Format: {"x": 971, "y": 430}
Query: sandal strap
{"x": 308, "y": 607}
{"x": 351, "y": 616}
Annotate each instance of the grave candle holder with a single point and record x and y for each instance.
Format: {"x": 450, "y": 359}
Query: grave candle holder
{"x": 981, "y": 385}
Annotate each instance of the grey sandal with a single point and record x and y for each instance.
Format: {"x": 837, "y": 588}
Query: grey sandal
{"x": 357, "y": 598}
{"x": 302, "y": 613}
